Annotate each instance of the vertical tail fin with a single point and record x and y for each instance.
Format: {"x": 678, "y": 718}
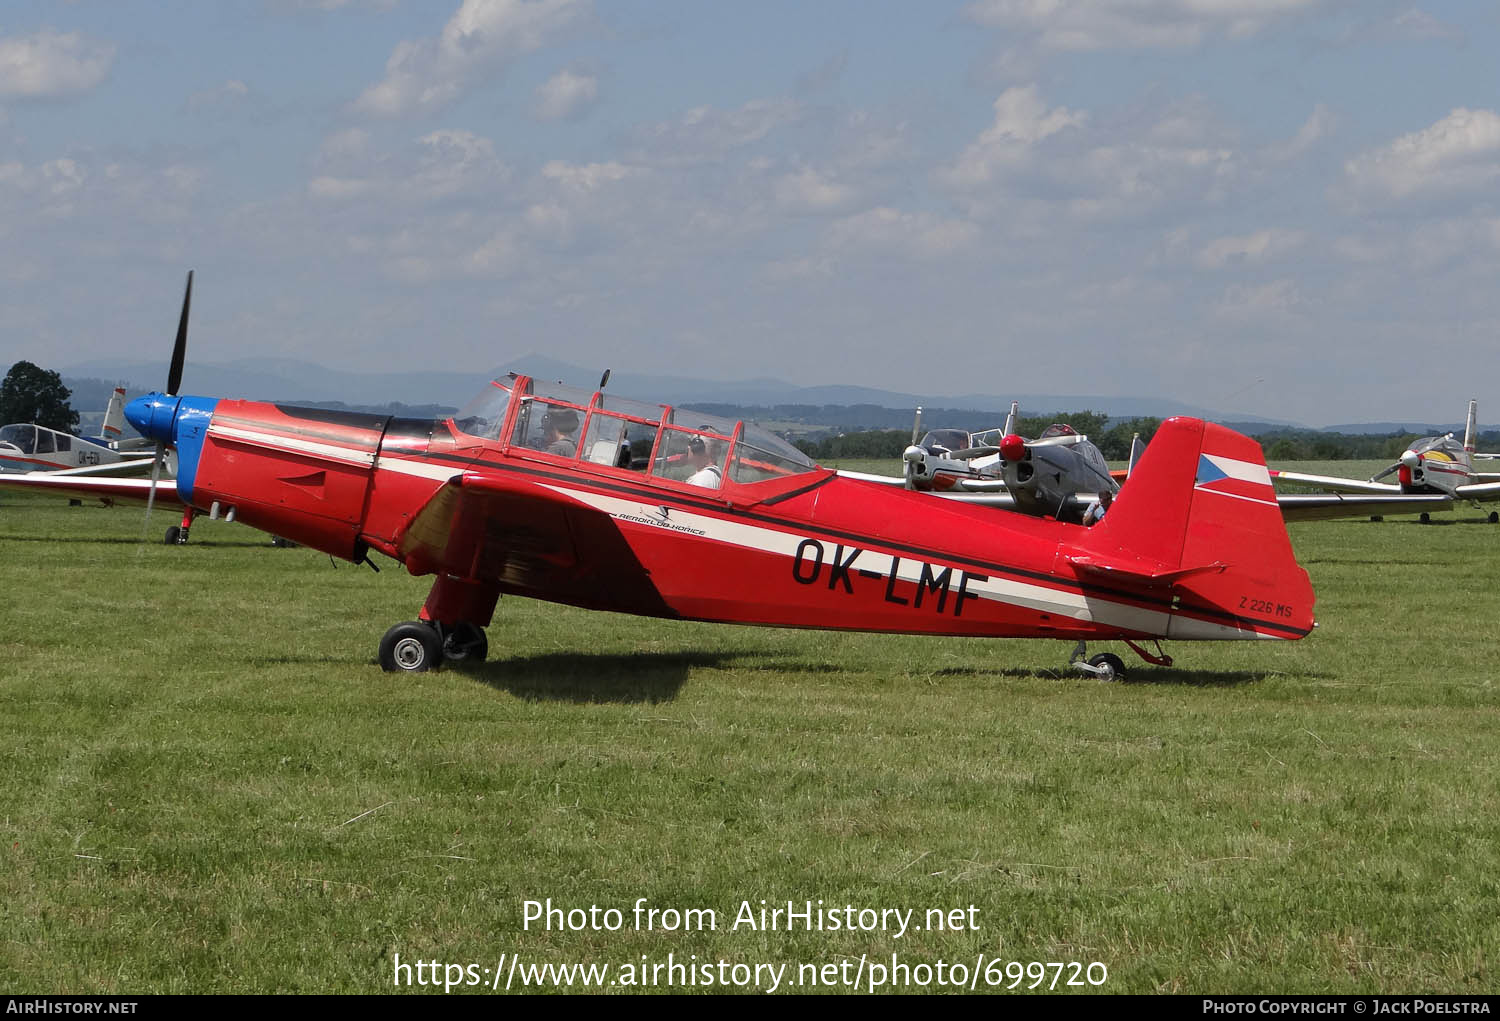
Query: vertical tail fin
{"x": 1199, "y": 515}
{"x": 1469, "y": 427}
{"x": 114, "y": 416}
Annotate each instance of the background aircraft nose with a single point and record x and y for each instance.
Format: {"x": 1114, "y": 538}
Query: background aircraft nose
{"x": 152, "y": 416}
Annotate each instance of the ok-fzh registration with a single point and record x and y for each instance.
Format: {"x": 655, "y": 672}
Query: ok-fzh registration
{"x": 750, "y": 916}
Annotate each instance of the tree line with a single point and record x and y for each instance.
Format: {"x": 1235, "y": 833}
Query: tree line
{"x": 1113, "y": 440}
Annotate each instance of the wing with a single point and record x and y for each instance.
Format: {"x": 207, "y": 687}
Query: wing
{"x": 128, "y": 464}
{"x": 999, "y": 499}
{"x": 979, "y": 492}
{"x": 1479, "y": 491}
{"x": 884, "y": 480}
{"x": 89, "y": 488}
{"x": 1323, "y": 506}
{"x": 531, "y": 539}
{"x": 1338, "y": 485}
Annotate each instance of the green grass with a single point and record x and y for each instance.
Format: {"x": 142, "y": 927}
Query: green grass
{"x": 207, "y": 785}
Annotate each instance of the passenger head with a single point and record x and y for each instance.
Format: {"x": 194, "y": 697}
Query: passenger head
{"x": 561, "y": 421}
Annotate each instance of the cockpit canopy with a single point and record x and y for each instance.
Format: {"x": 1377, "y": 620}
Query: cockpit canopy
{"x": 35, "y": 439}
{"x": 944, "y": 441}
{"x": 616, "y": 432}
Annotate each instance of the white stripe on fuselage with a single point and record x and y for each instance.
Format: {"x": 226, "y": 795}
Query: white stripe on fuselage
{"x": 331, "y": 451}
{"x": 1040, "y": 598}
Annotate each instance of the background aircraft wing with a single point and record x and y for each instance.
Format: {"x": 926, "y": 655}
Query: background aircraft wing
{"x": 981, "y": 485}
{"x": 1323, "y": 506}
{"x": 1479, "y": 491}
{"x": 884, "y": 480}
{"x": 1335, "y": 483}
{"x": 132, "y": 462}
{"x": 1001, "y": 499}
{"x": 91, "y": 488}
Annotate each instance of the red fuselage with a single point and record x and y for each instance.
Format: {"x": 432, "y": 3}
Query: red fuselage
{"x": 809, "y": 550}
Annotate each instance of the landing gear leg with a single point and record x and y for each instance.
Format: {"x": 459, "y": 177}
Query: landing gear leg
{"x": 1106, "y": 665}
{"x": 177, "y": 535}
{"x": 451, "y": 629}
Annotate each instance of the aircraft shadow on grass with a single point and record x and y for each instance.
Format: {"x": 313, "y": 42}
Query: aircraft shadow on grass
{"x": 589, "y": 678}
{"x": 625, "y": 678}
{"x": 1139, "y": 676}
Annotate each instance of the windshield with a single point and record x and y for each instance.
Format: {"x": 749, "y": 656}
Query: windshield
{"x": 759, "y": 456}
{"x": 22, "y": 436}
{"x": 485, "y": 415}
{"x": 945, "y": 440}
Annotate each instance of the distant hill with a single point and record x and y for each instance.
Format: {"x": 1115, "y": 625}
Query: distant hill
{"x": 291, "y": 380}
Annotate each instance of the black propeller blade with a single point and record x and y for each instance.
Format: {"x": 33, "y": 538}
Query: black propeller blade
{"x": 174, "y": 382}
{"x": 179, "y": 350}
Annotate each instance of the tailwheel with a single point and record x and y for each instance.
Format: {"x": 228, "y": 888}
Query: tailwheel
{"x": 1108, "y": 667}
{"x": 465, "y": 644}
{"x": 411, "y": 647}
{"x": 1494, "y": 517}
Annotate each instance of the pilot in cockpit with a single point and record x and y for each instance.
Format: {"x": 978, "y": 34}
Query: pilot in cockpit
{"x": 559, "y": 432}
{"x": 705, "y": 472}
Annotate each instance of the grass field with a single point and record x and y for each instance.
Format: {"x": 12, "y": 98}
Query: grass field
{"x": 209, "y": 786}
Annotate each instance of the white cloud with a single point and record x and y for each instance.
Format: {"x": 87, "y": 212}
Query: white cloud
{"x": 1037, "y": 162}
{"x": 232, "y": 93}
{"x": 86, "y": 188}
{"x": 437, "y": 166}
{"x": 585, "y": 177}
{"x": 809, "y": 191}
{"x": 567, "y": 94}
{"x": 1082, "y": 25}
{"x": 890, "y": 231}
{"x": 1021, "y": 120}
{"x": 1458, "y": 155}
{"x": 333, "y": 5}
{"x": 1261, "y": 246}
{"x": 1277, "y": 298}
{"x": 481, "y": 39}
{"x": 52, "y": 64}
{"x": 1318, "y": 126}
{"x": 706, "y": 134}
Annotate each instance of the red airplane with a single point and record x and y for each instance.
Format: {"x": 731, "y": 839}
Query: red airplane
{"x": 585, "y": 498}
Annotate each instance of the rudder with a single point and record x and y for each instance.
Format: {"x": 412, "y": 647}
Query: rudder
{"x": 1201, "y": 505}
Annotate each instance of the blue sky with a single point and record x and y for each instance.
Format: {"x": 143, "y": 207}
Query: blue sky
{"x": 1289, "y": 207}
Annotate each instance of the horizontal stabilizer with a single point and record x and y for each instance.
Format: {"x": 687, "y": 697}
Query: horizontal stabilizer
{"x": 1140, "y": 571}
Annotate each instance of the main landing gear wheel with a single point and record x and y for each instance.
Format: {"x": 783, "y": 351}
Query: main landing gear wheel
{"x": 411, "y": 647}
{"x": 176, "y": 536}
{"x": 1494, "y": 518}
{"x": 1108, "y": 667}
{"x": 466, "y": 645}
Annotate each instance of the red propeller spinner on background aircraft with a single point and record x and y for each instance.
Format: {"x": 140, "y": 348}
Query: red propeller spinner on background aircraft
{"x": 585, "y": 498}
